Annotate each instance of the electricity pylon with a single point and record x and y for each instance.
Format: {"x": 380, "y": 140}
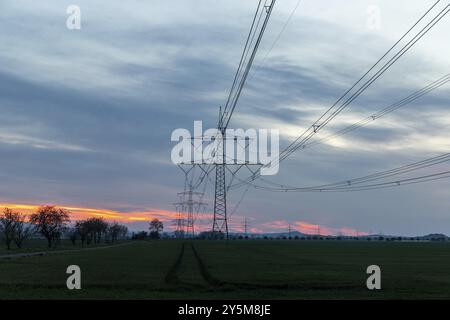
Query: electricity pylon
{"x": 189, "y": 208}
{"x": 245, "y": 222}
{"x": 179, "y": 222}
{"x": 220, "y": 221}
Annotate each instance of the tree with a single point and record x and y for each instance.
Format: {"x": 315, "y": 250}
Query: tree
{"x": 179, "y": 234}
{"x": 50, "y": 222}
{"x": 156, "y": 227}
{"x": 123, "y": 232}
{"x": 117, "y": 231}
{"x": 97, "y": 228}
{"x": 72, "y": 233}
{"x": 142, "y": 235}
{"x": 7, "y": 225}
{"x": 92, "y": 229}
{"x": 82, "y": 231}
{"x": 14, "y": 228}
{"x": 211, "y": 235}
{"x": 22, "y": 231}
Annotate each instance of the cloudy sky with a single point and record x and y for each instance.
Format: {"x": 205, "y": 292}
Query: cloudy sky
{"x": 87, "y": 115}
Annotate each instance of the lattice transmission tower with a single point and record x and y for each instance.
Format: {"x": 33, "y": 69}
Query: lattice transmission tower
{"x": 189, "y": 207}
{"x": 222, "y": 163}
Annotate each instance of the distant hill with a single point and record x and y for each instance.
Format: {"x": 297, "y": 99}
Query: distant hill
{"x": 435, "y": 237}
{"x": 280, "y": 234}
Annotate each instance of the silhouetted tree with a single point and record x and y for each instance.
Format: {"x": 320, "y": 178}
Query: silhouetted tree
{"x": 212, "y": 235}
{"x": 7, "y": 225}
{"x": 139, "y": 236}
{"x": 156, "y": 227}
{"x": 73, "y": 235}
{"x": 117, "y": 231}
{"x": 91, "y": 230}
{"x": 82, "y": 231}
{"x": 14, "y": 228}
{"x": 179, "y": 234}
{"x": 50, "y": 222}
{"x": 22, "y": 231}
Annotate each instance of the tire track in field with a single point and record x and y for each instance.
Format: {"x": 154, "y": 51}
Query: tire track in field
{"x": 189, "y": 271}
{"x": 204, "y": 271}
{"x": 172, "y": 274}
{"x": 214, "y": 282}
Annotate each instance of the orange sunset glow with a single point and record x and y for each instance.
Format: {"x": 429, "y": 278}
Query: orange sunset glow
{"x": 78, "y": 213}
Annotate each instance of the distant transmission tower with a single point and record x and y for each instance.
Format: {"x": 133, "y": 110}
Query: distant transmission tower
{"x": 189, "y": 207}
{"x": 245, "y": 222}
{"x": 179, "y": 222}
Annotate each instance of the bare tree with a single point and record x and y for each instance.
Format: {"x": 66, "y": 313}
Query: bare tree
{"x": 72, "y": 233}
{"x": 117, "y": 231}
{"x": 7, "y": 225}
{"x": 50, "y": 222}
{"x": 97, "y": 228}
{"x": 123, "y": 232}
{"x": 22, "y": 231}
{"x": 101, "y": 227}
{"x": 113, "y": 231}
{"x": 156, "y": 227}
{"x": 82, "y": 231}
{"x": 92, "y": 229}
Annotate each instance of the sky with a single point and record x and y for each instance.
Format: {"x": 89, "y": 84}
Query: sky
{"x": 87, "y": 115}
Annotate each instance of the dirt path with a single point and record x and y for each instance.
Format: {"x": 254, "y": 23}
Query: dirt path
{"x": 43, "y": 253}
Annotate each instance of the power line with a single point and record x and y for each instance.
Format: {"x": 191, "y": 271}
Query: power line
{"x": 411, "y": 98}
{"x": 220, "y": 222}
{"x": 389, "y": 184}
{"x": 358, "y": 184}
{"x": 324, "y": 119}
{"x": 227, "y": 114}
{"x": 238, "y": 204}
{"x": 361, "y": 183}
{"x": 247, "y": 46}
{"x": 396, "y": 183}
{"x": 241, "y": 76}
{"x": 244, "y": 53}
{"x": 320, "y": 123}
{"x": 405, "y": 101}
{"x": 283, "y": 29}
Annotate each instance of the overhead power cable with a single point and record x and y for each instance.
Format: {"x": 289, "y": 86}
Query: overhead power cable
{"x": 365, "y": 181}
{"x": 399, "y": 104}
{"x": 348, "y": 97}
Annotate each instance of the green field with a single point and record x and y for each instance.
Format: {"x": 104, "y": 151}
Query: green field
{"x": 41, "y": 246}
{"x": 235, "y": 270}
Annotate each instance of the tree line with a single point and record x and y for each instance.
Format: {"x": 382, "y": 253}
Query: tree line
{"x": 155, "y": 228}
{"x": 52, "y": 224}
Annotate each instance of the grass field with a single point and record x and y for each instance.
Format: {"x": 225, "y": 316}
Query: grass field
{"x": 235, "y": 270}
{"x": 41, "y": 245}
